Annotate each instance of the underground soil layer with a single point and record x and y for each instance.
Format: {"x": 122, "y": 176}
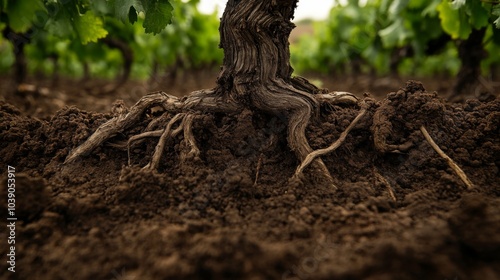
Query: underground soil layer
{"x": 235, "y": 214}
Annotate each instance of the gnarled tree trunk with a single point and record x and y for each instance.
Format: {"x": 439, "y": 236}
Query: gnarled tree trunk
{"x": 256, "y": 70}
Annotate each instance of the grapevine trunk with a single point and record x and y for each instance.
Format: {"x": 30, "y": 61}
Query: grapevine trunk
{"x": 256, "y": 71}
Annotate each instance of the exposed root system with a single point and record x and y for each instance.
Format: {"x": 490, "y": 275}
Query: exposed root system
{"x": 234, "y": 214}
{"x": 184, "y": 110}
{"x": 314, "y": 155}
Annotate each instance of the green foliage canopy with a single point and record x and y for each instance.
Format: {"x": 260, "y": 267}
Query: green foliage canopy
{"x": 83, "y": 19}
{"x": 374, "y": 33}
{"x": 71, "y": 29}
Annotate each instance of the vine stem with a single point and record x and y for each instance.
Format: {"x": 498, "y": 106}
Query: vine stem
{"x": 450, "y": 161}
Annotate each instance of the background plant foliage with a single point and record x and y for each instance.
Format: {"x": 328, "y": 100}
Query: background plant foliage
{"x": 70, "y": 32}
{"x": 415, "y": 37}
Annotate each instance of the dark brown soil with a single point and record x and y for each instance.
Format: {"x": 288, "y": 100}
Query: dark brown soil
{"x": 99, "y": 218}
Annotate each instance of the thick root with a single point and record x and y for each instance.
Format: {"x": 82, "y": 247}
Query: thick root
{"x": 136, "y": 138}
{"x": 185, "y": 125}
{"x": 337, "y": 97}
{"x": 315, "y": 154}
{"x": 201, "y": 101}
{"x": 194, "y": 152}
{"x": 160, "y": 147}
{"x": 297, "y": 140}
{"x": 117, "y": 125}
{"x": 300, "y": 109}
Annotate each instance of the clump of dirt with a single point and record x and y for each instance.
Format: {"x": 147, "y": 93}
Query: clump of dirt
{"x": 236, "y": 215}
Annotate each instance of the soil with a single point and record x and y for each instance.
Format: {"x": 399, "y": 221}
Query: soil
{"x": 236, "y": 214}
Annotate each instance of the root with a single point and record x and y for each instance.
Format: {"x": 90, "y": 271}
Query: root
{"x": 185, "y": 125}
{"x": 279, "y": 97}
{"x": 315, "y": 154}
{"x": 337, "y": 97}
{"x": 257, "y": 171}
{"x": 155, "y": 162}
{"x": 298, "y": 106}
{"x": 297, "y": 140}
{"x": 194, "y": 153}
{"x": 450, "y": 161}
{"x": 135, "y": 138}
{"x": 201, "y": 101}
{"x": 384, "y": 181}
{"x": 117, "y": 125}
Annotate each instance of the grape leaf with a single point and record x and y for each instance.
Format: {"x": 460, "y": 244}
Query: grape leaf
{"x": 431, "y": 8}
{"x": 21, "y": 14}
{"x": 60, "y": 18}
{"x": 158, "y": 15}
{"x": 452, "y": 22}
{"x": 457, "y": 4}
{"x": 395, "y": 34}
{"x": 478, "y": 14}
{"x": 123, "y": 9}
{"x": 100, "y": 7}
{"x": 417, "y": 4}
{"x": 61, "y": 28}
{"x": 396, "y": 7}
{"x": 89, "y": 27}
{"x": 496, "y": 12}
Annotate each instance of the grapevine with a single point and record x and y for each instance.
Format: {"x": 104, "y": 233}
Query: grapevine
{"x": 419, "y": 38}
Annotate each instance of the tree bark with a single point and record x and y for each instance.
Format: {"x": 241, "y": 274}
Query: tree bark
{"x": 471, "y": 52}
{"x": 254, "y": 35}
{"x": 256, "y": 71}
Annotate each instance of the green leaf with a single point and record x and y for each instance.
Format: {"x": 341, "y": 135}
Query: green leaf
{"x": 395, "y": 34}
{"x": 89, "y": 27}
{"x": 100, "y": 7}
{"x": 496, "y": 12}
{"x": 158, "y": 15}
{"x": 457, "y": 4}
{"x": 61, "y": 28}
{"x": 453, "y": 22}
{"x": 59, "y": 23}
{"x": 123, "y": 9}
{"x": 479, "y": 16}
{"x": 396, "y": 7}
{"x": 22, "y": 13}
{"x": 417, "y": 4}
{"x": 431, "y": 8}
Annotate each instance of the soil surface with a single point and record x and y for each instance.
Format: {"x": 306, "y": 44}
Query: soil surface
{"x": 236, "y": 214}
